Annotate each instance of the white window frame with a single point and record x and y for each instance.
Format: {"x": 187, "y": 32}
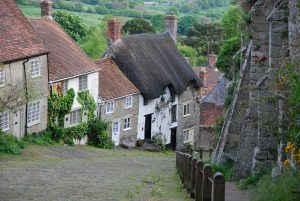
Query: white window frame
{"x": 186, "y": 109}
{"x": 75, "y": 117}
{"x": 128, "y": 102}
{"x": 2, "y": 76}
{"x": 35, "y": 68}
{"x": 65, "y": 87}
{"x": 82, "y": 87}
{"x": 4, "y": 127}
{"x": 110, "y": 106}
{"x": 30, "y": 120}
{"x": 127, "y": 123}
{"x": 186, "y": 135}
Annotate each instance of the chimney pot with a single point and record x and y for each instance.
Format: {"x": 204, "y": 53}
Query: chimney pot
{"x": 113, "y": 29}
{"x": 171, "y": 25}
{"x": 46, "y": 8}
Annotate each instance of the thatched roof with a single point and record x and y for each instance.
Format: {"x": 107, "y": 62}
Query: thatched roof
{"x": 152, "y": 62}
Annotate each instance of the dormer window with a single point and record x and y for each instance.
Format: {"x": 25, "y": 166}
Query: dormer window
{"x": 35, "y": 68}
{"x": 2, "y": 76}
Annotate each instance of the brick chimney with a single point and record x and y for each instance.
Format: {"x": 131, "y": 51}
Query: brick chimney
{"x": 171, "y": 25}
{"x": 203, "y": 77}
{"x": 113, "y": 29}
{"x": 46, "y": 8}
{"x": 212, "y": 60}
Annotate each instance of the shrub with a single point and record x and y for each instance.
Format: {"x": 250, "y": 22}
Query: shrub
{"x": 249, "y": 182}
{"x": 9, "y": 144}
{"x": 225, "y": 169}
{"x": 159, "y": 141}
{"x": 98, "y": 135}
{"x": 44, "y": 139}
{"x": 278, "y": 190}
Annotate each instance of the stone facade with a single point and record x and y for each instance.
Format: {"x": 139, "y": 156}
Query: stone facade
{"x": 36, "y": 88}
{"x": 249, "y": 135}
{"x": 206, "y": 140}
{"x": 127, "y": 137}
{"x": 190, "y": 121}
{"x": 46, "y": 8}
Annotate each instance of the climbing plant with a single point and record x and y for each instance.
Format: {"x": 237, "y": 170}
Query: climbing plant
{"x": 59, "y": 106}
{"x": 87, "y": 102}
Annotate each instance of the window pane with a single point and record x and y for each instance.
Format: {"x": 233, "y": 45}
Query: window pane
{"x": 2, "y": 76}
{"x": 35, "y": 68}
{"x": 83, "y": 82}
{"x": 65, "y": 87}
{"x": 4, "y": 121}
{"x": 75, "y": 117}
{"x": 34, "y": 111}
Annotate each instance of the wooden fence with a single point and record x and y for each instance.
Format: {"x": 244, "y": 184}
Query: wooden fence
{"x": 199, "y": 180}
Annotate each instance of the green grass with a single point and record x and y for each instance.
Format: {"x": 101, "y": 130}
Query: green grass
{"x": 278, "y": 190}
{"x": 89, "y": 19}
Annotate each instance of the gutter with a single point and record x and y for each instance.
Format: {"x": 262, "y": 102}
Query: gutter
{"x": 26, "y": 94}
{"x": 78, "y": 75}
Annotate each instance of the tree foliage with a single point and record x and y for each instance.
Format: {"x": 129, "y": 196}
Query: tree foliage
{"x": 185, "y": 23}
{"x": 157, "y": 22}
{"x": 71, "y": 23}
{"x": 137, "y": 26}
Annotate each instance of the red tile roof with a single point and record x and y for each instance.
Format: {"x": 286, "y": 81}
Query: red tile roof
{"x": 112, "y": 82}
{"x": 209, "y": 113}
{"x": 213, "y": 76}
{"x": 66, "y": 59}
{"x": 17, "y": 38}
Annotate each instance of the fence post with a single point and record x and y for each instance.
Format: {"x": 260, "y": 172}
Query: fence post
{"x": 193, "y": 178}
{"x": 207, "y": 184}
{"x": 218, "y": 189}
{"x": 199, "y": 180}
{"x": 189, "y": 171}
{"x": 185, "y": 170}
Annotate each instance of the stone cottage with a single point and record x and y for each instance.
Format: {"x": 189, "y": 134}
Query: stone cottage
{"x": 23, "y": 74}
{"x": 118, "y": 103}
{"x": 168, "y": 103}
{"x": 69, "y": 66}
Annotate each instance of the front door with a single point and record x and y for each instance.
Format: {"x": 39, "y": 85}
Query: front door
{"x": 173, "y": 138}
{"x": 148, "y": 123}
{"x": 17, "y": 124}
{"x": 116, "y": 132}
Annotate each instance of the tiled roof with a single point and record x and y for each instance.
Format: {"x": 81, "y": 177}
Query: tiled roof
{"x": 112, "y": 82}
{"x": 66, "y": 59}
{"x": 213, "y": 77}
{"x": 17, "y": 38}
{"x": 209, "y": 112}
{"x": 218, "y": 94}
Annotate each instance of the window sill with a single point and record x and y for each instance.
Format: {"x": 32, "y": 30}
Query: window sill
{"x": 109, "y": 112}
{"x": 186, "y": 115}
{"x": 33, "y": 123}
{"x": 127, "y": 129}
{"x": 7, "y": 129}
{"x": 36, "y": 76}
{"x": 126, "y": 108}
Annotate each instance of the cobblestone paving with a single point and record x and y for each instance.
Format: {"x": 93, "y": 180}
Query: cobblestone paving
{"x": 69, "y": 173}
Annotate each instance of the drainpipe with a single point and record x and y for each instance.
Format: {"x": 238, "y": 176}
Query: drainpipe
{"x": 26, "y": 94}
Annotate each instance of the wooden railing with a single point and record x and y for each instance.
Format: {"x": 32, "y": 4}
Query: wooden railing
{"x": 199, "y": 180}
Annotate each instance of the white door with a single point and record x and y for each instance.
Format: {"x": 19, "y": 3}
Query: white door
{"x": 116, "y": 132}
{"x": 17, "y": 124}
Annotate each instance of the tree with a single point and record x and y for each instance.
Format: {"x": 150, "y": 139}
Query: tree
{"x": 173, "y": 10}
{"x": 205, "y": 37}
{"x": 157, "y": 22}
{"x": 231, "y": 22}
{"x": 71, "y": 23}
{"x": 94, "y": 44}
{"x": 185, "y": 23}
{"x": 228, "y": 62}
{"x": 137, "y": 26}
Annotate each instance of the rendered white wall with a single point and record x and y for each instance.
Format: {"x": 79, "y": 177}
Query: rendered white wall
{"x": 161, "y": 121}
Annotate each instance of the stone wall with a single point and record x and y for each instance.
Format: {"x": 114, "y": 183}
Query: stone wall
{"x": 188, "y": 122}
{"x": 127, "y": 137}
{"x": 206, "y": 140}
{"x": 250, "y": 133}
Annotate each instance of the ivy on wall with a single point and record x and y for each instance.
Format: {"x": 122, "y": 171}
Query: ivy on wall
{"x": 59, "y": 106}
{"x": 87, "y": 102}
